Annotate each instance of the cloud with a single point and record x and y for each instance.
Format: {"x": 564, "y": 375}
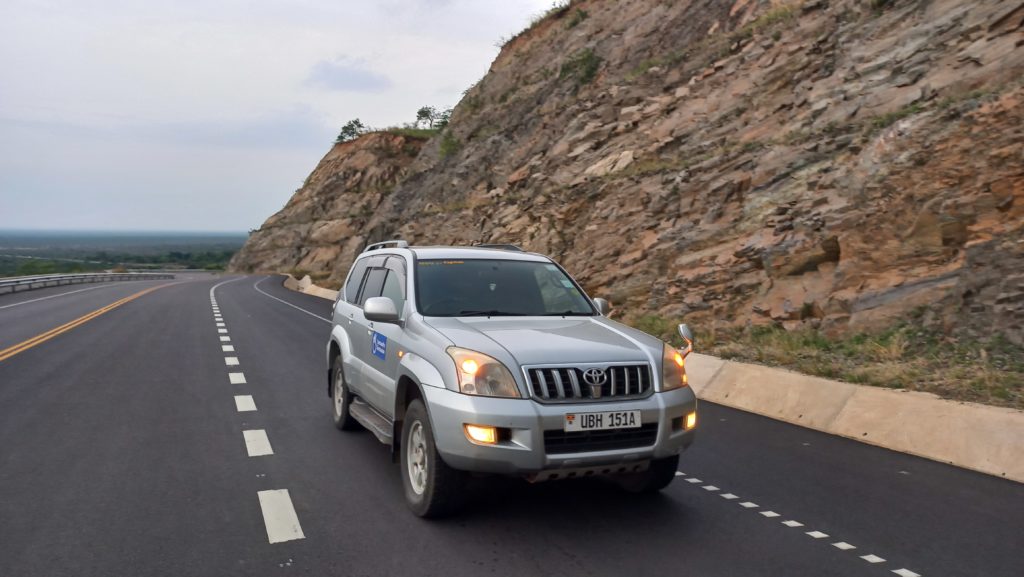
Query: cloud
{"x": 346, "y": 75}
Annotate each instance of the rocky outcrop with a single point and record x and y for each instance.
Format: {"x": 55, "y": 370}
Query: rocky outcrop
{"x": 835, "y": 164}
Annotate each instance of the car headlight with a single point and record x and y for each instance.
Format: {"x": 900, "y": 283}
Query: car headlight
{"x": 480, "y": 374}
{"x": 673, "y": 369}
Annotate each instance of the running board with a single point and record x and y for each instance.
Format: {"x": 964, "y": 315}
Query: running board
{"x": 372, "y": 420}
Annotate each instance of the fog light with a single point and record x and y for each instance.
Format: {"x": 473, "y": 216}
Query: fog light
{"x": 691, "y": 420}
{"x": 481, "y": 434}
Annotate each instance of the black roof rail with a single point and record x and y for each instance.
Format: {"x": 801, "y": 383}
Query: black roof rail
{"x": 511, "y": 247}
{"x": 384, "y": 244}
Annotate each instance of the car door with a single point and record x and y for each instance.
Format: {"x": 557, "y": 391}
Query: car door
{"x": 358, "y": 329}
{"x": 344, "y": 317}
{"x": 386, "y": 340}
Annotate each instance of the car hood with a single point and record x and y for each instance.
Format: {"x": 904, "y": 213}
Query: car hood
{"x": 545, "y": 341}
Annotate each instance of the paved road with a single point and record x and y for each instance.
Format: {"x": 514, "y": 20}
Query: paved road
{"x": 122, "y": 453}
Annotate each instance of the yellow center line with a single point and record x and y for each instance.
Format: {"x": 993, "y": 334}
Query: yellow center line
{"x": 43, "y": 337}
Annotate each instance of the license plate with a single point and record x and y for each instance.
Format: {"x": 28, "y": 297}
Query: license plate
{"x": 602, "y": 421}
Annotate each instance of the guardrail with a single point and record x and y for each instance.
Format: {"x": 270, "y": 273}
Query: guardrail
{"x": 25, "y": 283}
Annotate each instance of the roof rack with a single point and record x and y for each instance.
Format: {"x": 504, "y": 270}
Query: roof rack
{"x": 384, "y": 244}
{"x": 511, "y": 247}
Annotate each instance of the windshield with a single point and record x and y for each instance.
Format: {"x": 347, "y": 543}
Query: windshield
{"x": 478, "y": 287}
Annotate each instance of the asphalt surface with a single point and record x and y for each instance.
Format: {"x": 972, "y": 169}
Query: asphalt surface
{"x": 122, "y": 453}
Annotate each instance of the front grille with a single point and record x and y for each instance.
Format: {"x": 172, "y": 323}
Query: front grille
{"x": 562, "y": 384}
{"x": 558, "y": 441}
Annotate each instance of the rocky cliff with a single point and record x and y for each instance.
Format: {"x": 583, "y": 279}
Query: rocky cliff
{"x": 834, "y": 164}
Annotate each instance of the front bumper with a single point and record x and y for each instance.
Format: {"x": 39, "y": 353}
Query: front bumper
{"x": 524, "y": 452}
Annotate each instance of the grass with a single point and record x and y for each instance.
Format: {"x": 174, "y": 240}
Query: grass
{"x": 449, "y": 145}
{"x": 577, "y": 18}
{"x": 582, "y": 67}
{"x": 986, "y": 370}
{"x": 421, "y": 133}
{"x": 886, "y": 120}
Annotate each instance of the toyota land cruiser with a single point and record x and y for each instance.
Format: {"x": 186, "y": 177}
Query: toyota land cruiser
{"x": 471, "y": 360}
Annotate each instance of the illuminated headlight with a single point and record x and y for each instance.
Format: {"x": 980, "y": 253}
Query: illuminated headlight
{"x": 480, "y": 374}
{"x": 673, "y": 369}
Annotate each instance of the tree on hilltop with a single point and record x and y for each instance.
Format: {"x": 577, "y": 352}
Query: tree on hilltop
{"x": 352, "y": 129}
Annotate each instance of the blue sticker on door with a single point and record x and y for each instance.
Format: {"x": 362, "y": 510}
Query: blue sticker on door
{"x": 380, "y": 346}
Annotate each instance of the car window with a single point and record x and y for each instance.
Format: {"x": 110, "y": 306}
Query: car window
{"x": 372, "y": 286}
{"x": 355, "y": 278}
{"x": 394, "y": 290}
{"x": 479, "y": 287}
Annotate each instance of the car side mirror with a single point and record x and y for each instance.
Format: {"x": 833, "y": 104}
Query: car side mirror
{"x": 380, "y": 310}
{"x": 604, "y": 307}
{"x": 687, "y": 334}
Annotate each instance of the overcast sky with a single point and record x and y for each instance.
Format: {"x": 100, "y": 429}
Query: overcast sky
{"x": 206, "y": 115}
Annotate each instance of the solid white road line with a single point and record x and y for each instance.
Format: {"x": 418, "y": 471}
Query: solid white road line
{"x": 256, "y": 443}
{"x": 222, "y": 331}
{"x": 244, "y": 403}
{"x": 792, "y": 523}
{"x": 872, "y": 558}
{"x": 92, "y": 288}
{"x": 749, "y": 505}
{"x": 236, "y": 378}
{"x": 258, "y": 289}
{"x": 227, "y": 348}
{"x": 279, "y": 516}
{"x": 905, "y": 573}
{"x": 231, "y": 361}
{"x": 769, "y": 513}
{"x": 225, "y": 339}
{"x": 843, "y": 546}
{"x": 817, "y": 534}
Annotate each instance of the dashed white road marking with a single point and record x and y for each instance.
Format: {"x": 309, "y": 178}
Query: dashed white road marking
{"x": 244, "y": 403}
{"x": 221, "y": 324}
{"x": 279, "y": 516}
{"x": 843, "y": 546}
{"x": 872, "y": 558}
{"x": 680, "y": 474}
{"x": 817, "y": 534}
{"x": 256, "y": 443}
{"x": 222, "y": 331}
{"x": 236, "y": 378}
{"x": 769, "y": 514}
{"x": 231, "y": 361}
{"x": 729, "y": 496}
{"x": 225, "y": 339}
{"x": 711, "y": 488}
{"x": 749, "y": 505}
{"x": 694, "y": 480}
{"x": 905, "y": 573}
{"x": 792, "y": 523}
{"x": 227, "y": 348}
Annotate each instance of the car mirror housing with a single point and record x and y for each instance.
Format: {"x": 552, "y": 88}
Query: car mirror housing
{"x": 604, "y": 307}
{"x": 380, "y": 310}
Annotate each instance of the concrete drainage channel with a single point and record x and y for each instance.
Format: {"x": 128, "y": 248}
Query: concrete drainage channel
{"x": 977, "y": 437}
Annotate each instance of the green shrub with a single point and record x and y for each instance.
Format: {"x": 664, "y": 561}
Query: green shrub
{"x": 582, "y": 67}
{"x": 449, "y": 145}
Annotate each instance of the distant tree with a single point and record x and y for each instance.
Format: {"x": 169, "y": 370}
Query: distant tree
{"x": 442, "y": 118}
{"x": 351, "y": 130}
{"x": 426, "y": 115}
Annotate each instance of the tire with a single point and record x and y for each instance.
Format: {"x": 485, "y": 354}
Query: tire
{"x": 432, "y": 488}
{"x": 341, "y": 398}
{"x": 655, "y": 478}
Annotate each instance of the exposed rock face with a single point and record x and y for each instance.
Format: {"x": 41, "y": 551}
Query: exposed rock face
{"x": 823, "y": 163}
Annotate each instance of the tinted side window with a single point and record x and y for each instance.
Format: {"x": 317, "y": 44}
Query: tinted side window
{"x": 355, "y": 278}
{"x": 394, "y": 289}
{"x": 372, "y": 286}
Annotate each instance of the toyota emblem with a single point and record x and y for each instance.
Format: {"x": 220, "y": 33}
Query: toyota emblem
{"x": 595, "y": 377}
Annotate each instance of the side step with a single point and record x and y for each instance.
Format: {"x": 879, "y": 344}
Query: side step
{"x": 367, "y": 416}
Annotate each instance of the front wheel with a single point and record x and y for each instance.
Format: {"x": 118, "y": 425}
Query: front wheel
{"x": 432, "y": 488}
{"x": 341, "y": 398}
{"x": 655, "y": 478}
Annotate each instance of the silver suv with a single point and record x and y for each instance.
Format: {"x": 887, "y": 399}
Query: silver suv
{"x": 489, "y": 359}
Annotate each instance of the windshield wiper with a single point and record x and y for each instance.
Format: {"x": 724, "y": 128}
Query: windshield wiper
{"x": 568, "y": 314}
{"x": 491, "y": 313}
